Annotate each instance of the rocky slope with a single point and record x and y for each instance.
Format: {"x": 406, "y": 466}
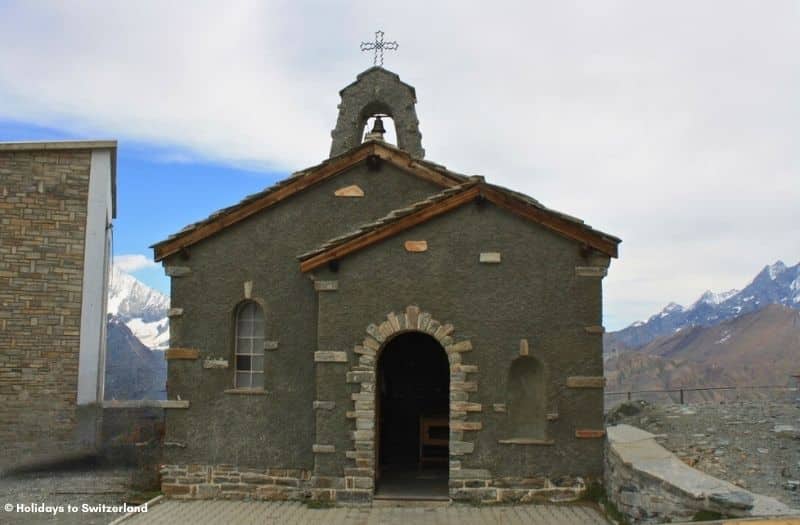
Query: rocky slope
{"x": 133, "y": 371}
{"x": 759, "y": 348}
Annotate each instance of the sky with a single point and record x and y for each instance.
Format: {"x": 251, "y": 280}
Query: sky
{"x": 672, "y": 125}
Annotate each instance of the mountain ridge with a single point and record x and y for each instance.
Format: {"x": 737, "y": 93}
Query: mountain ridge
{"x": 141, "y": 308}
{"x": 774, "y": 284}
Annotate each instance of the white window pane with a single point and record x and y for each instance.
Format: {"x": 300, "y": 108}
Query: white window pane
{"x": 243, "y": 379}
{"x": 244, "y": 328}
{"x": 258, "y": 380}
{"x": 257, "y": 364}
{"x": 258, "y": 346}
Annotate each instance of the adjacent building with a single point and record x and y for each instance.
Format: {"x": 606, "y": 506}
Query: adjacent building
{"x": 57, "y": 203}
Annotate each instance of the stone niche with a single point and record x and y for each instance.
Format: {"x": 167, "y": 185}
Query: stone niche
{"x": 526, "y": 400}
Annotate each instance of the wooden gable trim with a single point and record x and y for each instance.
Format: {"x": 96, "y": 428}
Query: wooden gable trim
{"x": 401, "y": 160}
{"x": 405, "y": 162}
{"x": 553, "y": 222}
{"x": 391, "y": 229}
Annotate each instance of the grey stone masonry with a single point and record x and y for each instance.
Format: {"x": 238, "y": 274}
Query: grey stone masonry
{"x": 230, "y": 482}
{"x": 377, "y": 91}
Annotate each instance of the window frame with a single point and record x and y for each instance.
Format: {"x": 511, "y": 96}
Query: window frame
{"x": 254, "y": 351}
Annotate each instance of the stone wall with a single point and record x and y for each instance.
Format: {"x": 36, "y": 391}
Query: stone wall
{"x": 43, "y": 197}
{"x": 649, "y": 484}
{"x": 275, "y": 427}
{"x": 537, "y": 302}
{"x": 230, "y": 482}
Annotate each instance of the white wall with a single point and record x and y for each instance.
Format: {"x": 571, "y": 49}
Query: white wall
{"x": 97, "y": 253}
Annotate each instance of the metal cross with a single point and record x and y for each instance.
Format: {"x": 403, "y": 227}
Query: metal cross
{"x": 378, "y": 46}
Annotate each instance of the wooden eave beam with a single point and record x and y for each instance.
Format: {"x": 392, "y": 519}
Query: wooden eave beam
{"x": 391, "y": 229}
{"x": 553, "y": 222}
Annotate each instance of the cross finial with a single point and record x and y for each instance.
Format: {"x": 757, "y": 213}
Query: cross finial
{"x": 378, "y": 46}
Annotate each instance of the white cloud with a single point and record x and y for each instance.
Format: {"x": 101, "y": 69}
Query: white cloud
{"x": 670, "y": 124}
{"x": 131, "y": 263}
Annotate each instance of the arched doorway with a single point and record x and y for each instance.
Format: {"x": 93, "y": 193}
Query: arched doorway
{"x": 413, "y": 399}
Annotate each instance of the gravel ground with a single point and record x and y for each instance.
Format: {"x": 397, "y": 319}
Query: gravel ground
{"x": 754, "y": 444}
{"x": 95, "y": 487}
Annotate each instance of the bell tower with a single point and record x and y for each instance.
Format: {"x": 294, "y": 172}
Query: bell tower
{"x": 377, "y": 91}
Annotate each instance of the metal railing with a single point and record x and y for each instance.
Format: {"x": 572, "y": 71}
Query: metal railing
{"x": 682, "y": 391}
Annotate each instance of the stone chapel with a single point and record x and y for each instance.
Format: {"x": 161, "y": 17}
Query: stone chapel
{"x": 379, "y": 326}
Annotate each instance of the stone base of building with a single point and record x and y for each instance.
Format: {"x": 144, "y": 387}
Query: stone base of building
{"x": 469, "y": 485}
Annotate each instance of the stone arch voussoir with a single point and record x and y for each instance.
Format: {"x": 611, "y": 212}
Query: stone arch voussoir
{"x": 463, "y": 388}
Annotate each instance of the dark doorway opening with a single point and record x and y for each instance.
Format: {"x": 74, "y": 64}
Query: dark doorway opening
{"x": 413, "y": 413}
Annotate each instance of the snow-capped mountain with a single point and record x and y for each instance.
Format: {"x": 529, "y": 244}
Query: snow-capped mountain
{"x": 141, "y": 308}
{"x": 775, "y": 284}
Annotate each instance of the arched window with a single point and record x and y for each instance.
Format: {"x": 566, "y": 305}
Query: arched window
{"x": 249, "y": 346}
{"x": 526, "y": 399}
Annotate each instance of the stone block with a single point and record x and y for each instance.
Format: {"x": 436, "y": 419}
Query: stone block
{"x": 416, "y": 246}
{"x": 324, "y": 405}
{"x": 170, "y": 489}
{"x": 393, "y": 321}
{"x": 349, "y": 191}
{"x": 212, "y": 363}
{"x": 208, "y": 491}
{"x": 175, "y": 312}
{"x": 363, "y": 350}
{"x": 489, "y": 257}
{"x": 463, "y": 346}
{"x": 361, "y": 376}
{"x": 463, "y": 386}
{"x": 323, "y": 449}
{"x": 412, "y": 316}
{"x": 363, "y": 435}
{"x": 465, "y": 406}
{"x": 591, "y": 271}
{"x": 177, "y": 271}
{"x": 465, "y": 425}
{"x": 471, "y": 473}
{"x": 365, "y": 424}
{"x": 459, "y": 448}
{"x": 326, "y": 356}
{"x": 326, "y": 286}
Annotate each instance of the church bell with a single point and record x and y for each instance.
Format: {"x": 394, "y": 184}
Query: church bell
{"x": 377, "y": 130}
{"x": 377, "y": 127}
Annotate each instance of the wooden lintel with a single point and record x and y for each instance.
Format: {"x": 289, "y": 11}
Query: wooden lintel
{"x": 589, "y": 434}
{"x": 182, "y": 353}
